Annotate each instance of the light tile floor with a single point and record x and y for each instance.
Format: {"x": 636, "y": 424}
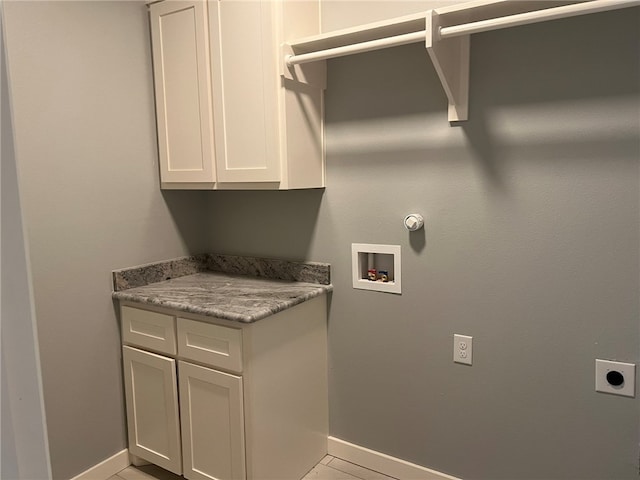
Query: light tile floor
{"x": 329, "y": 468}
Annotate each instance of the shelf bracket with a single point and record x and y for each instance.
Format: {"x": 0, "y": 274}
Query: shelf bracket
{"x": 450, "y": 58}
{"x": 313, "y": 73}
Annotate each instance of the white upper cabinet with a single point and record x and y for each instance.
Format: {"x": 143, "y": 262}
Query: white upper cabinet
{"x": 227, "y": 116}
{"x": 183, "y": 92}
{"x": 246, "y": 82}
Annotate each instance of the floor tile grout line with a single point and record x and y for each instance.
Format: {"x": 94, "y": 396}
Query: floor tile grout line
{"x": 387, "y": 477}
{"x": 342, "y": 471}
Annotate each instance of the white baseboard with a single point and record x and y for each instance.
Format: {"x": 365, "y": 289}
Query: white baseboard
{"x": 380, "y": 462}
{"x": 394, "y": 467}
{"x": 107, "y": 468}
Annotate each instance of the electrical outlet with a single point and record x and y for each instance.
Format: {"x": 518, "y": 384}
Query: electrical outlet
{"x": 462, "y": 349}
{"x": 616, "y": 378}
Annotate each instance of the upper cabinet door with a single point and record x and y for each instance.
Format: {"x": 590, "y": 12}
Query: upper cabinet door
{"x": 245, "y": 85}
{"x": 183, "y": 91}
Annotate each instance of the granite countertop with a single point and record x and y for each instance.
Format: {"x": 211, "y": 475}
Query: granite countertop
{"x": 229, "y": 296}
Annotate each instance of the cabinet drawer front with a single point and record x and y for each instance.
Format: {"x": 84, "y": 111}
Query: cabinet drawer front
{"x": 210, "y": 344}
{"x": 152, "y": 330}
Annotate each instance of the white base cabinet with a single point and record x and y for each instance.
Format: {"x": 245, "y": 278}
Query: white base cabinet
{"x": 225, "y": 400}
{"x": 227, "y": 117}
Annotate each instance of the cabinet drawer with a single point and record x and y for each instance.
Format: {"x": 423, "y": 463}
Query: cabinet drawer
{"x": 210, "y": 344}
{"x": 152, "y": 330}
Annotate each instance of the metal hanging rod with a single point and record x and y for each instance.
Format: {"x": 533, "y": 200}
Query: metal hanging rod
{"x": 565, "y": 11}
{"x": 369, "y": 46}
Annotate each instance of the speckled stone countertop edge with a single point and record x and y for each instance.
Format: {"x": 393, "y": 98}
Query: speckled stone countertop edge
{"x": 221, "y": 313}
{"x": 270, "y": 268}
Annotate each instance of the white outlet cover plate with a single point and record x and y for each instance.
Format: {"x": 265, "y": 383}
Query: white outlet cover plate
{"x": 628, "y": 370}
{"x": 463, "y": 349}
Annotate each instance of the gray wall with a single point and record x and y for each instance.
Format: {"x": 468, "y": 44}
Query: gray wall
{"x": 25, "y": 452}
{"x": 531, "y": 243}
{"x": 531, "y": 246}
{"x": 86, "y": 149}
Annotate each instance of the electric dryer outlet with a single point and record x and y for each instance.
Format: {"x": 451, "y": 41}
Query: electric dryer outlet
{"x": 616, "y": 378}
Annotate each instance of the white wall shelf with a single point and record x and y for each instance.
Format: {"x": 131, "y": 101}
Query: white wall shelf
{"x": 446, "y": 33}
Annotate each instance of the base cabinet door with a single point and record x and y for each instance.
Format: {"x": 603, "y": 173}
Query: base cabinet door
{"x": 211, "y": 408}
{"x": 152, "y": 408}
